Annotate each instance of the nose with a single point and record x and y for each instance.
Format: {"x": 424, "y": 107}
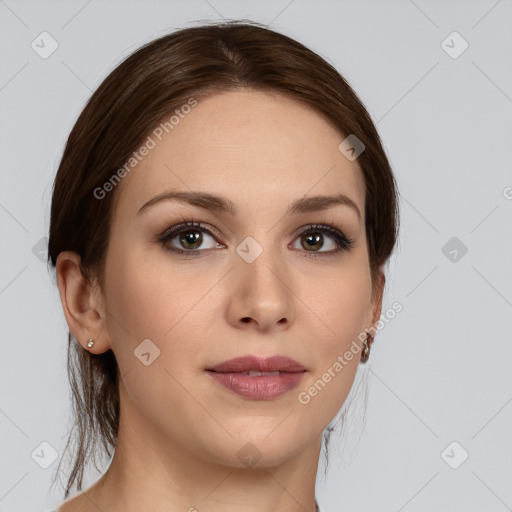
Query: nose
{"x": 261, "y": 294}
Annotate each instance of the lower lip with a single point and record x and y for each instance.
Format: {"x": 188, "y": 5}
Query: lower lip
{"x": 261, "y": 387}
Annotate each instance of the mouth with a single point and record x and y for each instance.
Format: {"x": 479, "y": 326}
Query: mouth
{"x": 258, "y": 378}
{"x": 258, "y": 364}
{"x": 256, "y": 373}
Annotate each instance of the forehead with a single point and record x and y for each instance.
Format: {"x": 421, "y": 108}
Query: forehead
{"x": 250, "y": 146}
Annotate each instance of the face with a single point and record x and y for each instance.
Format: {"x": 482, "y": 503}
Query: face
{"x": 253, "y": 275}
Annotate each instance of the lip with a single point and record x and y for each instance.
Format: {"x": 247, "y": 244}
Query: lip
{"x": 261, "y": 364}
{"x": 234, "y": 375}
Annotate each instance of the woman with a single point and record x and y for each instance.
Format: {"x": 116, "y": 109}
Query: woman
{"x": 220, "y": 222}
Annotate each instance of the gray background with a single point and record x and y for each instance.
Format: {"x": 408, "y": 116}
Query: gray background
{"x": 439, "y": 371}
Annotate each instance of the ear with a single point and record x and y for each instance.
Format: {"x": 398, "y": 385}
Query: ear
{"x": 82, "y": 303}
{"x": 377, "y": 293}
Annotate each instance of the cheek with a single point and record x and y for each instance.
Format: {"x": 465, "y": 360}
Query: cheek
{"x": 145, "y": 302}
{"x": 343, "y": 303}
{"x": 150, "y": 299}
{"x": 159, "y": 302}
{"x": 337, "y": 351}
{"x": 342, "y": 309}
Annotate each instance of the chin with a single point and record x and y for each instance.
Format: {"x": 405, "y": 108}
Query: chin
{"x": 256, "y": 448}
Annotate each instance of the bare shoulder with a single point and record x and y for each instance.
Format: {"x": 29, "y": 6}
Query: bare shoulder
{"x": 79, "y": 503}
{"x": 89, "y": 500}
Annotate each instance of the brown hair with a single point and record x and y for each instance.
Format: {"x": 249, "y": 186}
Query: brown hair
{"x": 148, "y": 85}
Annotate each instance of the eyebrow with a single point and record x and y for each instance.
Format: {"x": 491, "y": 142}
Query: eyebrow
{"x": 222, "y": 205}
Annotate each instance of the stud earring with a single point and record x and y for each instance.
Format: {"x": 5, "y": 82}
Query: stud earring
{"x": 90, "y": 343}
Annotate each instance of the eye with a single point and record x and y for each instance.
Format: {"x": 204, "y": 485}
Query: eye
{"x": 313, "y": 238}
{"x": 190, "y": 236}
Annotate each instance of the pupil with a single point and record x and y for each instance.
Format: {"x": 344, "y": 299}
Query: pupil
{"x": 192, "y": 238}
{"x": 314, "y": 239}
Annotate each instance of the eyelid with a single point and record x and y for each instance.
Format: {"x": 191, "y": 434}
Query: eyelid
{"x": 189, "y": 223}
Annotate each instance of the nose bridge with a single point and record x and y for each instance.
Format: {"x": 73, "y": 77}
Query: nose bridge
{"x": 260, "y": 264}
{"x": 262, "y": 291}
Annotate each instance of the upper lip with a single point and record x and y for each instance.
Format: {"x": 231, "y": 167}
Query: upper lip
{"x": 254, "y": 363}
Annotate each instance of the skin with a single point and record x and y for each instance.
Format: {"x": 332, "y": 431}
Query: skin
{"x": 179, "y": 431}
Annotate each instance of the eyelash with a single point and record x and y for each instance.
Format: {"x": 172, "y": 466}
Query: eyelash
{"x": 344, "y": 242}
